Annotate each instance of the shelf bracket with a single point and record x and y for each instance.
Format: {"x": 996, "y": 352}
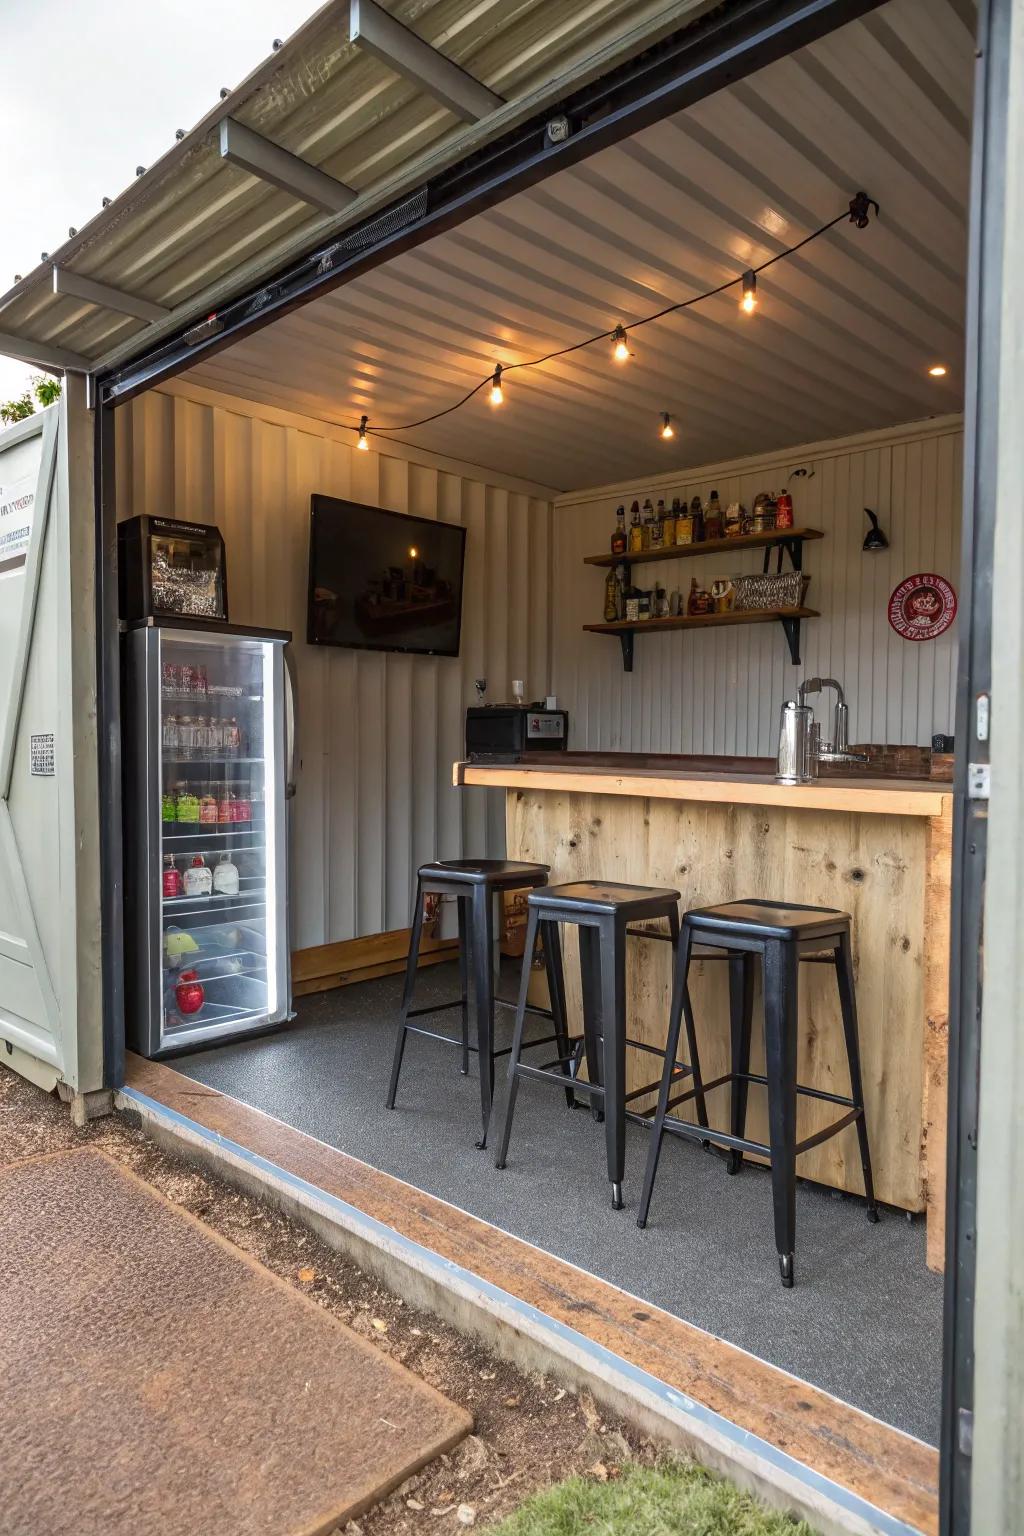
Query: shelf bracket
{"x": 626, "y": 641}
{"x": 791, "y": 629}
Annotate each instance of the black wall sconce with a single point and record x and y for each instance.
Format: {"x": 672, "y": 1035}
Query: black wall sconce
{"x": 874, "y": 539}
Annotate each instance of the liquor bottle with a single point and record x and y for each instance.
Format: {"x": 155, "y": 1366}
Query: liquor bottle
{"x": 636, "y": 535}
{"x": 713, "y": 524}
{"x": 647, "y": 522}
{"x": 658, "y": 527}
{"x": 619, "y": 536}
{"x": 621, "y": 583}
{"x": 611, "y": 600}
{"x": 668, "y": 525}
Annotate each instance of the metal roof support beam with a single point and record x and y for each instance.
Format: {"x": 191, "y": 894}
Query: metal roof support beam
{"x": 78, "y": 287}
{"x": 41, "y": 355}
{"x": 260, "y": 157}
{"x": 401, "y": 50}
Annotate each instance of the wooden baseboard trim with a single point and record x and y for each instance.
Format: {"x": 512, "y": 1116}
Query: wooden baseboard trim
{"x": 795, "y": 1444}
{"x": 326, "y": 966}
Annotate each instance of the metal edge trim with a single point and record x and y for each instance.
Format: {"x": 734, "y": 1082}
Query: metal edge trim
{"x": 445, "y": 1270}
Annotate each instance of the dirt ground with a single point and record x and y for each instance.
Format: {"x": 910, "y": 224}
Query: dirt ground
{"x": 529, "y": 1430}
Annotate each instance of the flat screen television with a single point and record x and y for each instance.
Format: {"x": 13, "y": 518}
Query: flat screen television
{"x": 383, "y": 581}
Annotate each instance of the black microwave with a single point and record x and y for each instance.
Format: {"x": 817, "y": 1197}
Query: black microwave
{"x": 503, "y": 729}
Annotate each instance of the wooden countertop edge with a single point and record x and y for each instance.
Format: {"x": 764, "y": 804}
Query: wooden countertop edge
{"x": 871, "y": 796}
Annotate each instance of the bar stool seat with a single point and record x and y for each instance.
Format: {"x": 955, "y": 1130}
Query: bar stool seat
{"x": 499, "y": 874}
{"x": 600, "y": 909}
{"x": 781, "y": 934}
{"x": 473, "y": 883}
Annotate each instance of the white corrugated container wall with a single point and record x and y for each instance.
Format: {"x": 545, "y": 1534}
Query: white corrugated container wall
{"x": 377, "y": 733}
{"x": 721, "y": 692}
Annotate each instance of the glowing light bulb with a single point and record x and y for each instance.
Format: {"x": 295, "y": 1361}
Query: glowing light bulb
{"x": 667, "y": 429}
{"x": 938, "y": 370}
{"x": 748, "y": 303}
{"x": 497, "y": 394}
{"x": 620, "y": 351}
{"x": 413, "y": 553}
{"x": 361, "y": 439}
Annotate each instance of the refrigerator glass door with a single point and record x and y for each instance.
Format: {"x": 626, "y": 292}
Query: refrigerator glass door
{"x": 223, "y": 940}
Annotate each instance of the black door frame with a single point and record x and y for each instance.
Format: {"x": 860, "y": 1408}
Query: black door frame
{"x": 677, "y": 73}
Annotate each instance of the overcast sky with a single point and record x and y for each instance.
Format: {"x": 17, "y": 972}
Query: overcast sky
{"x": 90, "y": 91}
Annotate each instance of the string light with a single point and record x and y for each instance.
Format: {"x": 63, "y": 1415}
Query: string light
{"x": 857, "y": 212}
{"x": 667, "y": 429}
{"x": 938, "y": 370}
{"x": 362, "y": 443}
{"x": 748, "y": 303}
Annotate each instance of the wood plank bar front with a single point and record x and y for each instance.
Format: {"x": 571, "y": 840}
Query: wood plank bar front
{"x": 878, "y": 849}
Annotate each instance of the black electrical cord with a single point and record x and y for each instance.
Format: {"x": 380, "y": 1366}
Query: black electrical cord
{"x": 856, "y": 213}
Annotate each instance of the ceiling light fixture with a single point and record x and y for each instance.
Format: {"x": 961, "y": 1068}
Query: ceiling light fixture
{"x": 497, "y": 394}
{"x": 621, "y": 351}
{"x": 361, "y": 442}
{"x": 667, "y": 429}
{"x": 938, "y": 370}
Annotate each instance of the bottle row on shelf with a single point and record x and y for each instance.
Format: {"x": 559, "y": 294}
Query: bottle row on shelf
{"x": 198, "y": 879}
{"x": 212, "y": 805}
{"x": 202, "y": 736}
{"x": 661, "y": 527}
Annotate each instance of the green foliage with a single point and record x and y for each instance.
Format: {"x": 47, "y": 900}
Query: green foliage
{"x": 673, "y": 1499}
{"x": 40, "y": 393}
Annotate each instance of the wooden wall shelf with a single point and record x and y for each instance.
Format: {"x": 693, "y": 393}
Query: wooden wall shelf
{"x": 787, "y": 538}
{"x": 789, "y": 618}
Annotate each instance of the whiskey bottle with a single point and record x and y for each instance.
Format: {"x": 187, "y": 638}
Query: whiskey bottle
{"x": 619, "y": 536}
{"x": 636, "y": 535}
{"x": 648, "y": 523}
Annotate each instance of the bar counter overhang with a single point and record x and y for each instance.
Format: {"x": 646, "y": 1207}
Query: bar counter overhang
{"x": 723, "y": 829}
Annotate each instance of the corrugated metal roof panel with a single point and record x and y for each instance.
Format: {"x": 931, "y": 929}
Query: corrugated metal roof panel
{"x": 844, "y": 332}
{"x": 195, "y": 224}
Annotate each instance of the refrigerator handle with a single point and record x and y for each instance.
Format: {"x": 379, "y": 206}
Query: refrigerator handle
{"x": 289, "y": 723}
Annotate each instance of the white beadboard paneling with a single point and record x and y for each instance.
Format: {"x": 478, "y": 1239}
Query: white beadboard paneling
{"x": 377, "y": 733}
{"x": 721, "y": 692}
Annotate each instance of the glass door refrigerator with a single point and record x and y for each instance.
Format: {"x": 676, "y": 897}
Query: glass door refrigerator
{"x": 207, "y": 750}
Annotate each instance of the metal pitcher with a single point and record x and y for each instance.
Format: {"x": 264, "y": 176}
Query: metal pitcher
{"x": 795, "y": 762}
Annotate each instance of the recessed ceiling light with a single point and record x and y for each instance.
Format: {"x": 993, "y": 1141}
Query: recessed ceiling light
{"x": 938, "y": 370}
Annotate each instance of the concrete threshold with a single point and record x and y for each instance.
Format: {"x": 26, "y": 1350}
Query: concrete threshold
{"x": 519, "y": 1330}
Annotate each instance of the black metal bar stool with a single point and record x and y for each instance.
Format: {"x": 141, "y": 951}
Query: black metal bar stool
{"x": 601, "y": 911}
{"x": 474, "y": 883}
{"x": 781, "y": 934}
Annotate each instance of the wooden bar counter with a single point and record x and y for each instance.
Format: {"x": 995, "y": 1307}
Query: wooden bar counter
{"x": 876, "y": 848}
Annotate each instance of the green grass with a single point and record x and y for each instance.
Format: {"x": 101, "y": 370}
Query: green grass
{"x": 673, "y": 1499}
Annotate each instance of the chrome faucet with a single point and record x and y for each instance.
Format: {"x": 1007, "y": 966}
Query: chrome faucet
{"x": 838, "y": 749}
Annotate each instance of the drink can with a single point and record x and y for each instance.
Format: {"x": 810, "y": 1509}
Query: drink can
{"x": 784, "y": 510}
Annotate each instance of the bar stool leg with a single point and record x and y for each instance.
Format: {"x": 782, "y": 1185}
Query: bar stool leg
{"x": 671, "y": 1053}
{"x": 410, "y": 981}
{"x": 700, "y": 1103}
{"x": 465, "y": 942}
{"x": 741, "y": 1012}
{"x": 590, "y": 977}
{"x": 613, "y": 1016}
{"x": 483, "y": 967}
{"x": 780, "y": 1033}
{"x": 556, "y": 993}
{"x": 517, "y": 1035}
{"x": 848, "y": 1005}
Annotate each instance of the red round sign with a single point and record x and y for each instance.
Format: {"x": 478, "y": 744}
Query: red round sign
{"x": 922, "y": 607}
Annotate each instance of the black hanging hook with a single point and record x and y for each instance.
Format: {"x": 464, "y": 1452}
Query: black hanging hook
{"x": 860, "y": 204}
